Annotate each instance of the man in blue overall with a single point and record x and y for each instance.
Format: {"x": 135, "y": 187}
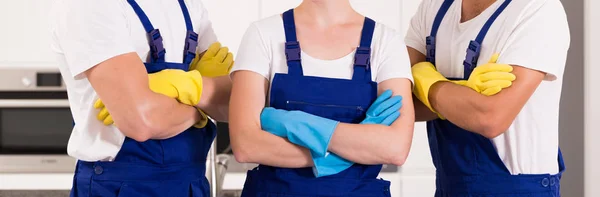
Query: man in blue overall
{"x": 141, "y": 58}
{"x": 488, "y": 75}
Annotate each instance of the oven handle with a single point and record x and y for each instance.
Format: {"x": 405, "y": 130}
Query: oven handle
{"x": 33, "y": 103}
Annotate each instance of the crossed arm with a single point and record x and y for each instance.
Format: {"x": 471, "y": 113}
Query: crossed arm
{"x": 365, "y": 144}
{"x": 142, "y": 114}
{"x": 489, "y": 116}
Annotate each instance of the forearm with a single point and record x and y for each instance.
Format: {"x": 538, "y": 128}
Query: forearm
{"x": 162, "y": 116}
{"x": 264, "y": 148}
{"x": 372, "y": 143}
{"x": 422, "y": 112}
{"x": 215, "y": 97}
{"x": 462, "y": 106}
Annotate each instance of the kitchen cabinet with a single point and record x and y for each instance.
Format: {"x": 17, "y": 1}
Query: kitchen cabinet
{"x": 25, "y": 33}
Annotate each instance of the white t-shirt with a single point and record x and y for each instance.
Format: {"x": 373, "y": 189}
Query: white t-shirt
{"x": 263, "y": 51}
{"x": 529, "y": 33}
{"x": 86, "y": 33}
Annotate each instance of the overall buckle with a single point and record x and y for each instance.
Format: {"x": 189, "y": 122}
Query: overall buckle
{"x": 472, "y": 55}
{"x": 292, "y": 51}
{"x": 430, "y": 42}
{"x": 156, "y": 44}
{"x": 363, "y": 57}
{"x": 191, "y": 43}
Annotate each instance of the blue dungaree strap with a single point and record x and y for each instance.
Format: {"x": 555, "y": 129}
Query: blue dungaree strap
{"x": 191, "y": 37}
{"x": 475, "y": 45}
{"x": 430, "y": 40}
{"x": 292, "y": 46}
{"x": 155, "y": 40}
{"x": 474, "y": 48}
{"x": 362, "y": 58}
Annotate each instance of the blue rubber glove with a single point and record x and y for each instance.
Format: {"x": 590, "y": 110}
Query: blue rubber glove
{"x": 384, "y": 110}
{"x": 301, "y": 128}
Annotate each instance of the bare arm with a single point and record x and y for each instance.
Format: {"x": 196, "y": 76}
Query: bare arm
{"x": 422, "y": 113}
{"x": 215, "y": 99}
{"x": 249, "y": 142}
{"x": 122, "y": 83}
{"x": 379, "y": 144}
{"x": 489, "y": 116}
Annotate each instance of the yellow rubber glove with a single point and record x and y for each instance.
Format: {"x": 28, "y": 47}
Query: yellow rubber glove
{"x": 216, "y": 62}
{"x": 489, "y": 79}
{"x": 186, "y": 87}
{"x": 425, "y": 75}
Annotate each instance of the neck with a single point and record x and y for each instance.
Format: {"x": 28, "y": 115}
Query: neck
{"x": 326, "y": 12}
{"x": 472, "y": 8}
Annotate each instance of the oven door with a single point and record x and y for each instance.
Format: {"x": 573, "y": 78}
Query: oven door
{"x": 34, "y": 135}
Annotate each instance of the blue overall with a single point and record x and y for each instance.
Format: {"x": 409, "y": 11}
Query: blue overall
{"x": 467, "y": 164}
{"x": 155, "y": 168}
{"x": 337, "y": 99}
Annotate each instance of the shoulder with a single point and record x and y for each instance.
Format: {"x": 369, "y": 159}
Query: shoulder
{"x": 267, "y": 30}
{"x": 385, "y": 36}
{"x": 270, "y": 24}
{"x": 523, "y": 10}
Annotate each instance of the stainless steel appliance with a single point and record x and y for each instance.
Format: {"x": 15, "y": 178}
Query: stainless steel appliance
{"x": 35, "y": 121}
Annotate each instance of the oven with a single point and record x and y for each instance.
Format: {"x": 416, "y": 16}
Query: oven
{"x": 35, "y": 121}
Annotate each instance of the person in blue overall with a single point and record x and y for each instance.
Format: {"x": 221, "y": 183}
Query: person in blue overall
{"x": 160, "y": 138}
{"x": 492, "y": 106}
{"x": 305, "y": 103}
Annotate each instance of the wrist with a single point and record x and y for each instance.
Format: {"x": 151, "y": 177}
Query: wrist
{"x": 206, "y": 92}
{"x": 434, "y": 92}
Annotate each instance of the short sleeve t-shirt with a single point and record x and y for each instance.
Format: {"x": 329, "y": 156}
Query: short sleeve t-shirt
{"x": 530, "y": 33}
{"x": 86, "y": 33}
{"x": 263, "y": 51}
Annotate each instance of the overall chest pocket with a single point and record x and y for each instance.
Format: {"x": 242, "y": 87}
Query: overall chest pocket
{"x": 342, "y": 113}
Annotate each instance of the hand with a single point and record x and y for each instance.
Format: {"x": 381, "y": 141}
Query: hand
{"x": 216, "y": 62}
{"x": 489, "y": 79}
{"x": 425, "y": 75}
{"x": 186, "y": 87}
{"x": 301, "y": 128}
{"x": 385, "y": 109}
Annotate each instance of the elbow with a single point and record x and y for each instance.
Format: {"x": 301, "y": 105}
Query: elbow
{"x": 397, "y": 155}
{"x": 138, "y": 131}
{"x": 492, "y": 125}
{"x": 140, "y": 136}
{"x": 242, "y": 147}
{"x": 242, "y": 156}
{"x": 141, "y": 127}
{"x": 398, "y": 160}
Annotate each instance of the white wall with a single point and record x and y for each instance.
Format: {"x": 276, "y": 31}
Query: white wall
{"x": 592, "y": 96}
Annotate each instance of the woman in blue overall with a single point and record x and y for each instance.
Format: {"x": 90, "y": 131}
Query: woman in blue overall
{"x": 161, "y": 158}
{"x": 491, "y": 135}
{"x": 319, "y": 68}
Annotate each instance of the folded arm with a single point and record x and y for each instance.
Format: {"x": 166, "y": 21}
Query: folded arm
{"x": 215, "y": 97}
{"x": 489, "y": 116}
{"x": 374, "y": 143}
{"x": 122, "y": 83}
{"x": 422, "y": 113}
{"x": 249, "y": 142}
